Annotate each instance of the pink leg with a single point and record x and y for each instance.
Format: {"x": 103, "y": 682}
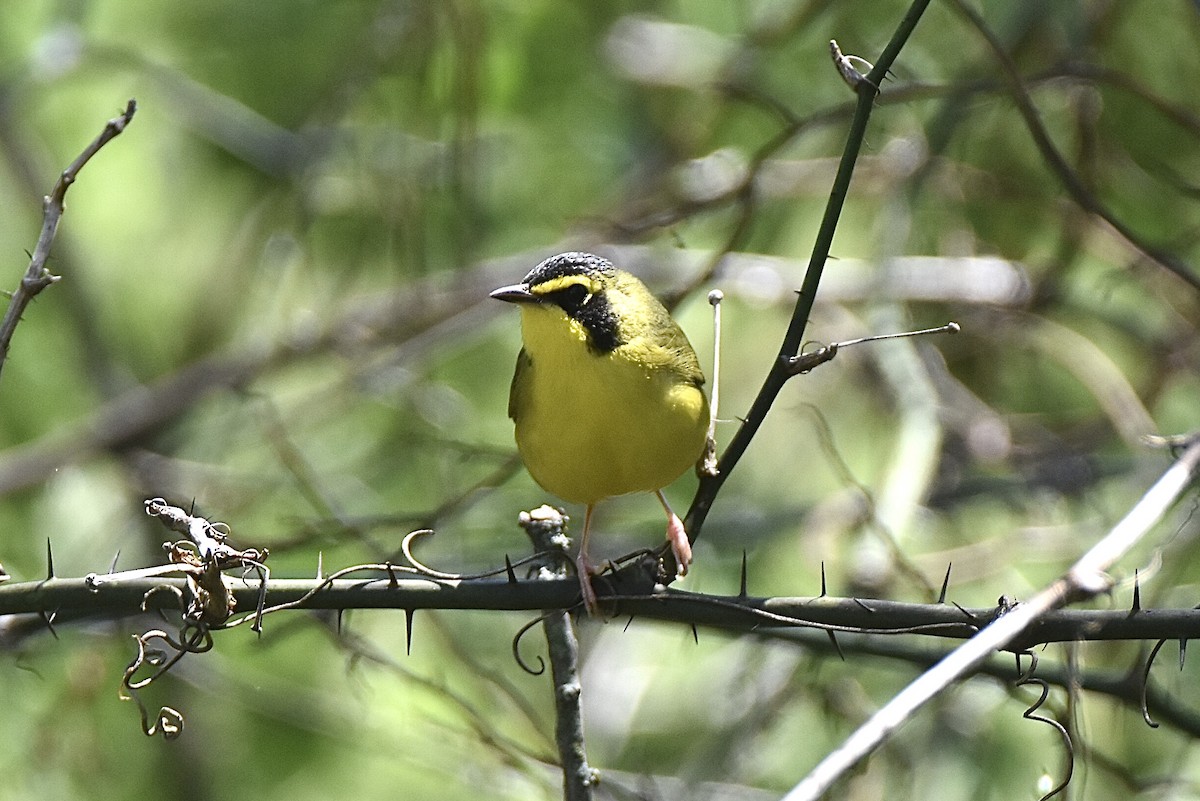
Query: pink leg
{"x": 583, "y": 567}
{"x": 677, "y": 537}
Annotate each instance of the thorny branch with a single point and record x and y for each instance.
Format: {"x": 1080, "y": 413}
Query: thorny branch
{"x": 392, "y": 586}
{"x": 206, "y": 598}
{"x": 37, "y": 276}
{"x": 1086, "y": 578}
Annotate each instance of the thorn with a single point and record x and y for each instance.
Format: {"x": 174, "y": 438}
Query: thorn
{"x": 945, "y": 584}
{"x": 112, "y": 568}
{"x": 508, "y": 568}
{"x": 863, "y": 605}
{"x": 823, "y": 590}
{"x": 192, "y": 508}
{"x": 1137, "y": 593}
{"x": 836, "y": 645}
{"x": 966, "y": 614}
{"x": 320, "y": 565}
{"x": 49, "y": 562}
{"x": 339, "y": 621}
{"x": 628, "y": 623}
{"x": 393, "y": 583}
{"x": 48, "y": 619}
{"x": 695, "y": 634}
{"x": 1182, "y": 652}
{"x": 742, "y": 591}
{"x": 408, "y": 626}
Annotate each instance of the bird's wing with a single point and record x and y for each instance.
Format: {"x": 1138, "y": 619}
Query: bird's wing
{"x": 669, "y": 346}
{"x": 518, "y": 389}
{"x": 652, "y": 336}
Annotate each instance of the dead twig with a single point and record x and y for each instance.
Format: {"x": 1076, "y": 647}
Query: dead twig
{"x": 37, "y": 276}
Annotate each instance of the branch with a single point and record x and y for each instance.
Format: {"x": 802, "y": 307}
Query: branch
{"x": 1085, "y": 579}
{"x": 131, "y": 592}
{"x": 867, "y": 90}
{"x": 1070, "y": 180}
{"x": 37, "y": 277}
{"x": 1128, "y": 686}
{"x": 545, "y": 527}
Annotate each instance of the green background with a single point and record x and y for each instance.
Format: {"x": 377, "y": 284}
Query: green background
{"x": 295, "y": 166}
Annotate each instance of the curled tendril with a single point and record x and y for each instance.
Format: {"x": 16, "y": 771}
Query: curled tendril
{"x": 169, "y": 722}
{"x": 1031, "y": 714}
{"x": 264, "y": 575}
{"x": 406, "y": 546}
{"x": 1146, "y": 683}
{"x": 205, "y": 604}
{"x": 170, "y": 590}
{"x": 195, "y": 639}
{"x": 516, "y": 645}
{"x": 1024, "y": 676}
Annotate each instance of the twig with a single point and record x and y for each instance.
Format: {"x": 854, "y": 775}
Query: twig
{"x": 545, "y": 527}
{"x": 1076, "y": 188}
{"x": 37, "y": 277}
{"x": 780, "y": 373}
{"x": 1085, "y": 579}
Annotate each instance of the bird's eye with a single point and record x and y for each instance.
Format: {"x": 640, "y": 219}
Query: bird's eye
{"x": 574, "y": 296}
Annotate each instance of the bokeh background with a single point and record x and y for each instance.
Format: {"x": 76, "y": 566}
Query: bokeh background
{"x": 274, "y": 303}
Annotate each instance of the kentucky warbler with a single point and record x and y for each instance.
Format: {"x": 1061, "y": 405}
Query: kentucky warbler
{"x": 607, "y": 394}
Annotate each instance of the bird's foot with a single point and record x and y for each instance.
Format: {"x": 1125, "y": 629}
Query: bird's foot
{"x": 584, "y": 570}
{"x": 677, "y": 536}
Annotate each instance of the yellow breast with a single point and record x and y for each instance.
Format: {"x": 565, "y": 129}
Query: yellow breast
{"x": 589, "y": 425}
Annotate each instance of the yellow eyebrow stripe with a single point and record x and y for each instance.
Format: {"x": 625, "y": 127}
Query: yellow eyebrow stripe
{"x": 559, "y": 283}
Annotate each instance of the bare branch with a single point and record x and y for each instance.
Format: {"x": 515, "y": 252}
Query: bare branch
{"x": 1085, "y": 579}
{"x": 37, "y": 277}
{"x": 545, "y": 528}
{"x": 1076, "y": 188}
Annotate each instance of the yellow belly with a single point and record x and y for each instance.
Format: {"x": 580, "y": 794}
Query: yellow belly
{"x": 594, "y": 426}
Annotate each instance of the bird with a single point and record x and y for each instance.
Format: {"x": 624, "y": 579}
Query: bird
{"x": 607, "y": 398}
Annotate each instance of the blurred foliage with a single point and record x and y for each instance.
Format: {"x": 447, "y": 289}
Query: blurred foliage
{"x": 294, "y": 165}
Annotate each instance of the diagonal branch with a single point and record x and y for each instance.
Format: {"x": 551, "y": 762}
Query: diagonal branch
{"x": 867, "y": 90}
{"x": 1085, "y": 579}
{"x": 37, "y": 277}
{"x": 1069, "y": 179}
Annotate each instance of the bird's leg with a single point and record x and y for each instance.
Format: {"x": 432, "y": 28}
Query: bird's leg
{"x": 583, "y": 568}
{"x": 677, "y": 536}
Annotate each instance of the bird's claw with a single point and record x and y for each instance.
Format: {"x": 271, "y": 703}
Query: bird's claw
{"x": 680, "y": 546}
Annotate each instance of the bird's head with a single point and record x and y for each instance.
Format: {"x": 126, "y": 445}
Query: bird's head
{"x": 573, "y": 292}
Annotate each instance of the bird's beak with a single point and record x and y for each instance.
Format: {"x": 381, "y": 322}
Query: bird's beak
{"x": 514, "y": 293}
